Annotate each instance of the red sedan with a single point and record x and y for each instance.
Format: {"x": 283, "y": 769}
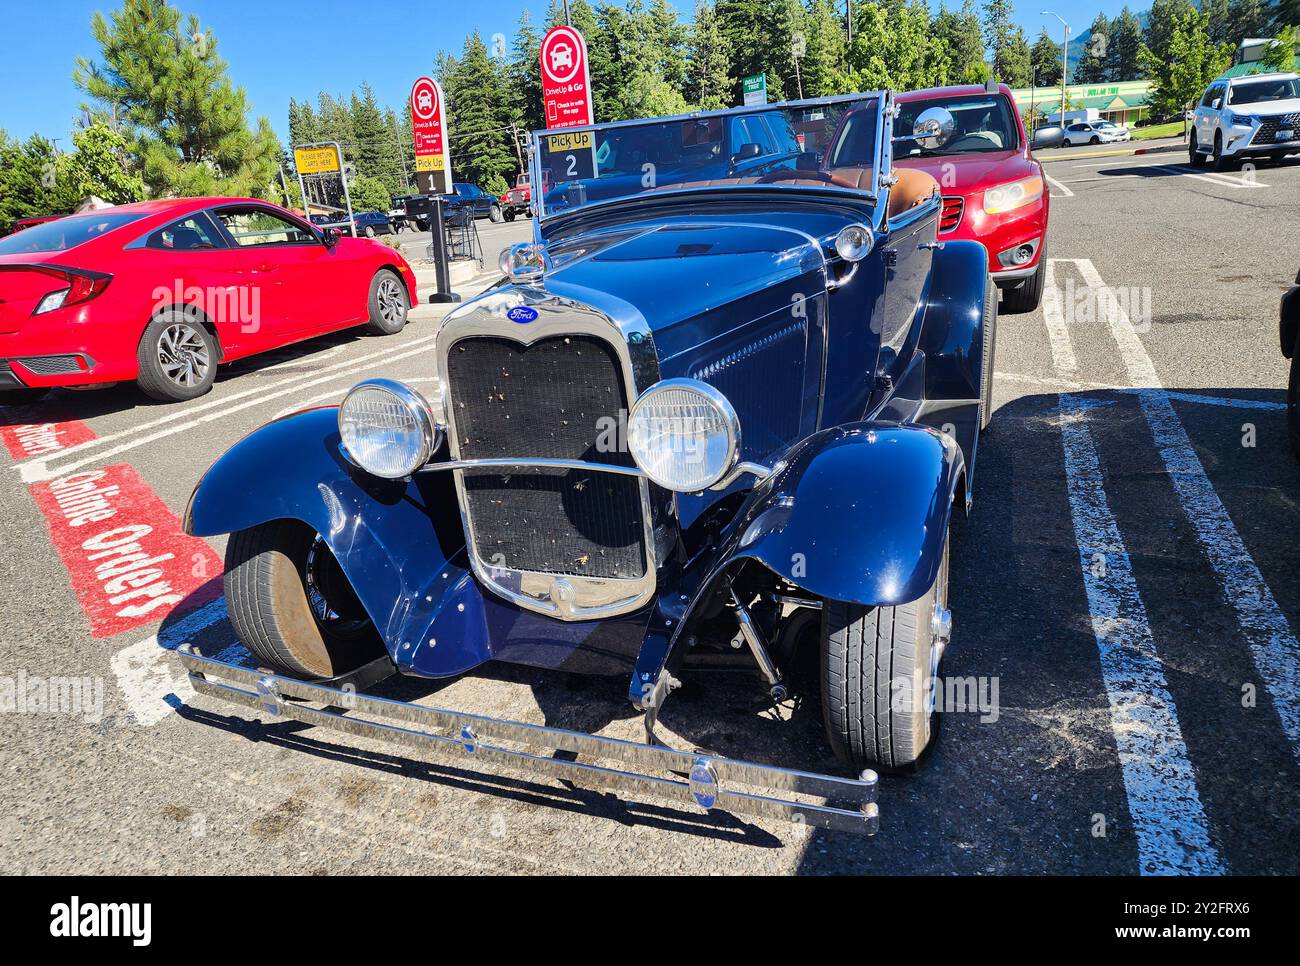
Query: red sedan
{"x": 994, "y": 190}
{"x": 161, "y": 292}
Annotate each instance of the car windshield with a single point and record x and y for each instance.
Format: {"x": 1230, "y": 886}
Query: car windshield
{"x": 65, "y": 233}
{"x": 1257, "y": 92}
{"x": 982, "y": 122}
{"x": 781, "y": 145}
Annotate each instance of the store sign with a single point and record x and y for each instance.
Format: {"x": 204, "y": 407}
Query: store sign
{"x": 566, "y": 79}
{"x": 429, "y": 125}
{"x": 755, "y": 89}
{"x": 322, "y": 160}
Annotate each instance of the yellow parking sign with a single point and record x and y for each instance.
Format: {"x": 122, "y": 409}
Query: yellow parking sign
{"x": 316, "y": 160}
{"x": 430, "y": 162}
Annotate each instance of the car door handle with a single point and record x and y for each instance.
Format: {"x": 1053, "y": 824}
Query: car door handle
{"x": 932, "y": 246}
{"x": 268, "y": 267}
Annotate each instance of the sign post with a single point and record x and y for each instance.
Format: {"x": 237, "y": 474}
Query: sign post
{"x": 566, "y": 95}
{"x": 322, "y": 158}
{"x": 755, "y": 89}
{"x": 429, "y": 124}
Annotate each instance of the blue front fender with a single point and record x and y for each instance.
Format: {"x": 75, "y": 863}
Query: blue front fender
{"x": 859, "y": 513}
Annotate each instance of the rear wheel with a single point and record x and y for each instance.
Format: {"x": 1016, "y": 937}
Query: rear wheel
{"x": 177, "y": 358}
{"x": 388, "y": 304}
{"x": 291, "y": 604}
{"x": 879, "y": 670}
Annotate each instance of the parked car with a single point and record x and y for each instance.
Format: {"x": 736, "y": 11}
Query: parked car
{"x": 1092, "y": 132}
{"x": 474, "y": 199}
{"x": 161, "y": 292}
{"x": 698, "y": 412}
{"x": 994, "y": 190}
{"x": 372, "y": 223}
{"x": 1118, "y": 132}
{"x": 1252, "y": 116}
{"x": 1290, "y": 325}
{"x": 401, "y": 218}
{"x": 517, "y": 200}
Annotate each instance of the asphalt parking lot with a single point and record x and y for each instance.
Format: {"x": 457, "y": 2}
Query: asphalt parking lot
{"x": 1127, "y": 578}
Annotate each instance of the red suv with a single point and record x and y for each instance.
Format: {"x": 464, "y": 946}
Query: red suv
{"x": 994, "y": 190}
{"x": 161, "y": 292}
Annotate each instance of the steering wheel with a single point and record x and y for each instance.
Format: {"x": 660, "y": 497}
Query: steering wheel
{"x": 794, "y": 174}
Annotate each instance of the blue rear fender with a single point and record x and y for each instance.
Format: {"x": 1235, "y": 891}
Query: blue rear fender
{"x": 858, "y": 513}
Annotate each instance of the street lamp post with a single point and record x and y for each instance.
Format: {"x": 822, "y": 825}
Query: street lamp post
{"x": 1065, "y": 57}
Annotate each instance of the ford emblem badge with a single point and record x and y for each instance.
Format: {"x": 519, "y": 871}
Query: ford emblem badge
{"x": 521, "y": 314}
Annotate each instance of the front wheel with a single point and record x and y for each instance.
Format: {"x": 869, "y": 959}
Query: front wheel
{"x": 879, "y": 669}
{"x": 1094, "y": 140}
{"x": 1026, "y": 298}
{"x": 388, "y": 303}
{"x": 292, "y": 606}
{"x": 509, "y": 214}
{"x": 1196, "y": 158}
{"x": 494, "y": 215}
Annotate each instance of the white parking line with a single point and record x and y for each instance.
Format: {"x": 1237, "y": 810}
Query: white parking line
{"x": 35, "y": 471}
{"x": 1272, "y": 644}
{"x": 1065, "y": 192}
{"x": 1216, "y": 178}
{"x": 1168, "y": 821}
{"x": 151, "y": 678}
{"x": 187, "y": 411}
{"x": 1063, "y": 359}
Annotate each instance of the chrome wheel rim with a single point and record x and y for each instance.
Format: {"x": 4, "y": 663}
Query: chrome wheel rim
{"x": 183, "y": 355}
{"x": 392, "y": 304}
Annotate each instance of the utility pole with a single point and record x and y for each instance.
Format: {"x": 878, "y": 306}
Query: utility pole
{"x": 1065, "y": 57}
{"x": 519, "y": 152}
{"x": 567, "y": 19}
{"x": 848, "y": 10}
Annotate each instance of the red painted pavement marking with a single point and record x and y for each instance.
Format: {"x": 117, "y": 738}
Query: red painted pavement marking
{"x": 43, "y": 438}
{"x": 129, "y": 560}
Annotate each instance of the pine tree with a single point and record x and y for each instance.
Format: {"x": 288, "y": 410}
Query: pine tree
{"x": 708, "y": 84}
{"x": 1015, "y": 64}
{"x": 1220, "y": 20}
{"x": 1286, "y": 14}
{"x": 1248, "y": 18}
{"x": 823, "y": 62}
{"x": 1125, "y": 42}
{"x": 376, "y": 150}
{"x": 667, "y": 38}
{"x": 999, "y": 33}
{"x": 1045, "y": 59}
{"x": 958, "y": 33}
{"x": 186, "y": 122}
{"x": 1162, "y": 19}
{"x": 1092, "y": 66}
{"x": 524, "y": 79}
{"x": 480, "y": 135}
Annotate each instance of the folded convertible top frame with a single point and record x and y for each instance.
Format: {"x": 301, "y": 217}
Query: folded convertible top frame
{"x": 530, "y": 748}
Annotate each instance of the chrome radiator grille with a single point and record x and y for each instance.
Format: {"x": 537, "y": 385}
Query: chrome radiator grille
{"x": 550, "y": 400}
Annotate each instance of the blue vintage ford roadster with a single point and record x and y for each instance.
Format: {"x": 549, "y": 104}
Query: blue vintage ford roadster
{"x": 731, "y": 393}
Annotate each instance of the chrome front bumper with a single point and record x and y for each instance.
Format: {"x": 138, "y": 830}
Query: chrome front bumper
{"x": 681, "y": 776}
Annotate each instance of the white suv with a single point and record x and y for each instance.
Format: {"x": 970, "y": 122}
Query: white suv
{"x": 1255, "y": 115}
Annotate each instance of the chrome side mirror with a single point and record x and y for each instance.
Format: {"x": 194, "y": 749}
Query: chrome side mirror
{"x": 933, "y": 128}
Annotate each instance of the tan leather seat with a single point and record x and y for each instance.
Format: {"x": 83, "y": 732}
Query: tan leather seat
{"x": 913, "y": 187}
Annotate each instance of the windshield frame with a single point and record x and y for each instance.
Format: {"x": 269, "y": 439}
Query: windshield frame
{"x": 883, "y": 101}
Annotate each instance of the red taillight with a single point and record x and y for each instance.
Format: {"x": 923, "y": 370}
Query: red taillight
{"x": 82, "y": 285}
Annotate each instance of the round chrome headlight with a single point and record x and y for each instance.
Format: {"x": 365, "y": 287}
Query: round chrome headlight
{"x": 388, "y": 428}
{"x": 684, "y": 434}
{"x": 853, "y": 242}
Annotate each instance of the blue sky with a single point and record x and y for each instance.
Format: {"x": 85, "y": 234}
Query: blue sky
{"x": 274, "y": 54}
